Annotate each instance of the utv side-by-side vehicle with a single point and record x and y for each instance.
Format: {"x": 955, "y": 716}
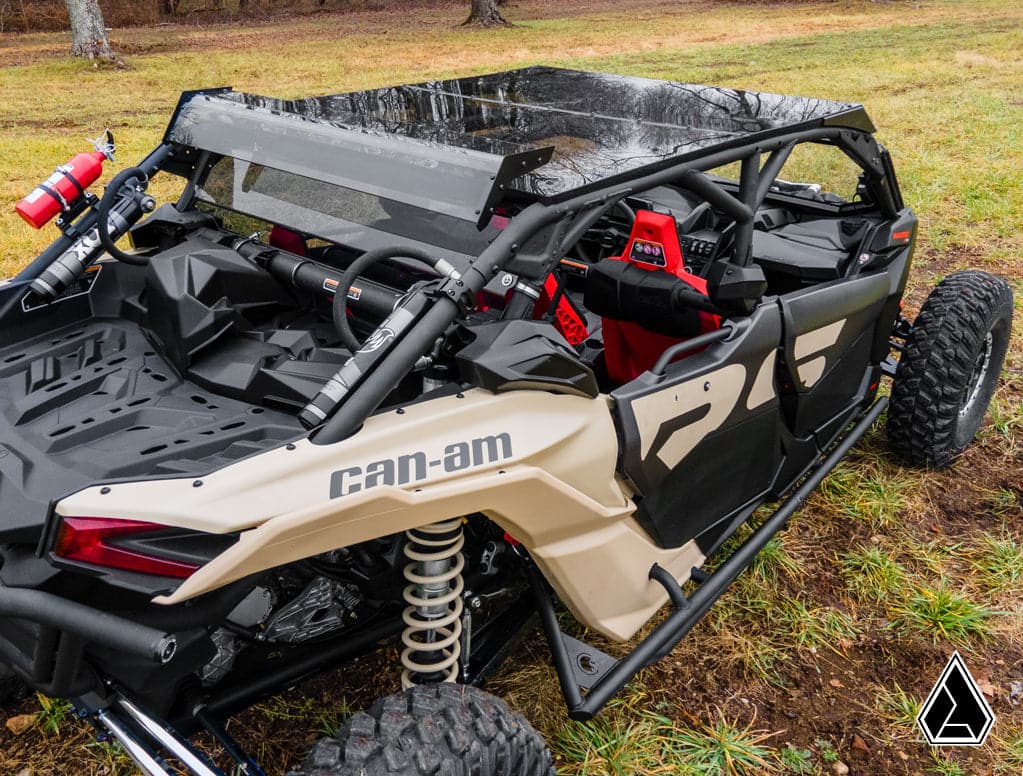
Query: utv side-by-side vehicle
{"x": 427, "y": 365}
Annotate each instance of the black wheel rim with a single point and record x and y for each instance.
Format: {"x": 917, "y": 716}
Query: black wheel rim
{"x": 977, "y": 378}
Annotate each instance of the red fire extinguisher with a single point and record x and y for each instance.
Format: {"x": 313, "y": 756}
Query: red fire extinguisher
{"x": 59, "y": 193}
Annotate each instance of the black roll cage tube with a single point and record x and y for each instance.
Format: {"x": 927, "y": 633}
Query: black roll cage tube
{"x": 567, "y": 221}
{"x": 558, "y": 225}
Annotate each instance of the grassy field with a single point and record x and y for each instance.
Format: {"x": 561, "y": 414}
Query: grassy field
{"x": 824, "y": 650}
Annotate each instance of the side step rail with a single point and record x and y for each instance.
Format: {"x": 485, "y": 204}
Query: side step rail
{"x": 149, "y": 764}
{"x": 575, "y": 662}
{"x": 143, "y": 736}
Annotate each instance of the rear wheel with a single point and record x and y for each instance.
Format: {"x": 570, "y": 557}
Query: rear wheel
{"x": 11, "y": 687}
{"x": 433, "y": 730}
{"x": 949, "y": 368}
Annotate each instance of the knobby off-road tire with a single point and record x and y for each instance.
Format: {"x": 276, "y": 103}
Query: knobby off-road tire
{"x": 11, "y": 687}
{"x": 434, "y": 730}
{"x": 949, "y": 368}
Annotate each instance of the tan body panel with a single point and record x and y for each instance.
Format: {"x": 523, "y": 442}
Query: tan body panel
{"x": 555, "y": 491}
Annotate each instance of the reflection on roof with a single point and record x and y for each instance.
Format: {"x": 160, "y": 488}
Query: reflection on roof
{"x": 600, "y": 126}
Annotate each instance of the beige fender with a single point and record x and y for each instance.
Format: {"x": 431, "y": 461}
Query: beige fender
{"x": 540, "y": 465}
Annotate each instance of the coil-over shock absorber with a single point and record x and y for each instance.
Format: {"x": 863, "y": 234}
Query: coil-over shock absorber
{"x": 433, "y": 617}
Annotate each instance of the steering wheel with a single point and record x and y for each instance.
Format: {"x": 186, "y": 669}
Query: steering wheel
{"x": 700, "y": 216}
{"x": 356, "y": 268}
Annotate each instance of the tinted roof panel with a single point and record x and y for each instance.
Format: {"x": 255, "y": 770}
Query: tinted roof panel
{"x": 600, "y": 126}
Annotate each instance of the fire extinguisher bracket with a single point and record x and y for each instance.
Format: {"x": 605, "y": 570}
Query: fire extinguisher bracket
{"x": 65, "y": 221}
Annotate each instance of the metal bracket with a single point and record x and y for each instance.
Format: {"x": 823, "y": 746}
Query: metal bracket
{"x": 589, "y": 664}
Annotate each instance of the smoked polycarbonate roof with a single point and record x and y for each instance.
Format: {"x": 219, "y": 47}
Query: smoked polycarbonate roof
{"x": 600, "y": 126}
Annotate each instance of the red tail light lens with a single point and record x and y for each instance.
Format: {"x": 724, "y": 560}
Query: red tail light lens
{"x": 90, "y": 540}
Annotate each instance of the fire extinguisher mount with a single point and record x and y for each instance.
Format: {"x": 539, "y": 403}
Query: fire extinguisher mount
{"x": 65, "y": 221}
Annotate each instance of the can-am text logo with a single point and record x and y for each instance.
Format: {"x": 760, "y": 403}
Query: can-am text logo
{"x": 413, "y": 467}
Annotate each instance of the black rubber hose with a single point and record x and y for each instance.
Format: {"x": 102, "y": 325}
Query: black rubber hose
{"x": 113, "y": 190}
{"x": 356, "y": 268}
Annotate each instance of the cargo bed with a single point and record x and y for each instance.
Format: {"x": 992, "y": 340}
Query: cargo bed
{"x": 94, "y": 401}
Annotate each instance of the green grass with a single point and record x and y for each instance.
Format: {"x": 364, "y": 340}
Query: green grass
{"x": 868, "y": 490}
{"x": 937, "y": 557}
{"x": 618, "y": 745}
{"x": 625, "y": 742}
{"x": 726, "y": 748}
{"x": 898, "y": 709}
{"x": 998, "y": 562}
{"x": 812, "y": 627}
{"x": 945, "y": 615}
{"x": 1010, "y": 744}
{"x": 1004, "y": 502}
{"x": 944, "y": 766}
{"x": 773, "y": 563}
{"x": 925, "y": 101}
{"x": 736, "y": 644}
{"x": 872, "y": 574}
{"x": 52, "y": 714}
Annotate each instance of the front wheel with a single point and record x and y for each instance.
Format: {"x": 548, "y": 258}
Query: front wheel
{"x": 433, "y": 730}
{"x": 949, "y": 368}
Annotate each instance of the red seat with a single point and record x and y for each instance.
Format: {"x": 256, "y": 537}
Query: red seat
{"x": 629, "y": 349}
{"x": 287, "y": 240}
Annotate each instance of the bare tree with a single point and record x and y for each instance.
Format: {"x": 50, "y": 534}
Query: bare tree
{"x": 484, "y": 13}
{"x": 88, "y": 32}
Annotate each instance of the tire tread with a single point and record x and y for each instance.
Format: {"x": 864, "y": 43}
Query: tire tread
{"x": 937, "y": 362}
{"x": 433, "y": 730}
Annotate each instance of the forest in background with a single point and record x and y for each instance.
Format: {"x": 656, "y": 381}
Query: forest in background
{"x": 52, "y": 15}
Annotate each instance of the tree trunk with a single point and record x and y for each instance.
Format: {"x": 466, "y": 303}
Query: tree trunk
{"x": 88, "y": 32}
{"x": 484, "y": 13}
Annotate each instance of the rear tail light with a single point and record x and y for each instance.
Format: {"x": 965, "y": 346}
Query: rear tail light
{"x": 95, "y": 540}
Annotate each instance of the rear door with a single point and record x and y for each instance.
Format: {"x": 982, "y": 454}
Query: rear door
{"x": 828, "y": 337}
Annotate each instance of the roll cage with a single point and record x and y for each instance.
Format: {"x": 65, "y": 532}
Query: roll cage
{"x": 470, "y": 176}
